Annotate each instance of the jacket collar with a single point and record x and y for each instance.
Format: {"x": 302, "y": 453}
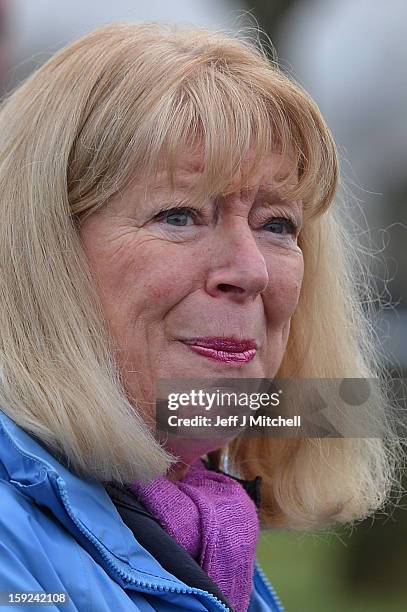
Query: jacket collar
{"x": 153, "y": 536}
{"x": 76, "y": 502}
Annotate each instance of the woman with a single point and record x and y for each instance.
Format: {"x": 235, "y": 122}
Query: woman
{"x": 166, "y": 213}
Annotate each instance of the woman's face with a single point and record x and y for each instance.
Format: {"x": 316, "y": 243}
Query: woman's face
{"x": 231, "y": 270}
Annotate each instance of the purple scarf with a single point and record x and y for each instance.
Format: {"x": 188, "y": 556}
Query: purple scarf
{"x": 212, "y": 516}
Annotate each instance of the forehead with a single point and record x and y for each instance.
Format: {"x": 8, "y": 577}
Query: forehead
{"x": 190, "y": 167}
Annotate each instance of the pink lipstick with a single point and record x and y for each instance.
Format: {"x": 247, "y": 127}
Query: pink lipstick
{"x": 227, "y": 350}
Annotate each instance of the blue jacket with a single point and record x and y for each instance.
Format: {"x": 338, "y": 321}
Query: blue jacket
{"x": 60, "y": 533}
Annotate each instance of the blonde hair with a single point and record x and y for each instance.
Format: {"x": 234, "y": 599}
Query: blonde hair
{"x": 118, "y": 101}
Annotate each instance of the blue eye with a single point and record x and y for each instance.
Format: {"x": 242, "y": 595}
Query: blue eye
{"x": 176, "y": 216}
{"x": 281, "y": 223}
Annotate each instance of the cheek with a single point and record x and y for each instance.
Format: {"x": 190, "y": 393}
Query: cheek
{"x": 283, "y": 292}
{"x": 135, "y": 272}
{"x": 160, "y": 278}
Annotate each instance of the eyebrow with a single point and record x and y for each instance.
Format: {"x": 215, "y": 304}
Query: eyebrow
{"x": 269, "y": 195}
{"x": 266, "y": 193}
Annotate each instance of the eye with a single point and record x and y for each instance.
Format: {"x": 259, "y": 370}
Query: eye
{"x": 281, "y": 223}
{"x": 177, "y": 216}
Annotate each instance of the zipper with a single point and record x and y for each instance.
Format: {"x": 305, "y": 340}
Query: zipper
{"x": 270, "y": 587}
{"x": 107, "y": 556}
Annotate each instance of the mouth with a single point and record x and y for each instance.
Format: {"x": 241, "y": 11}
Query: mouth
{"x": 226, "y": 350}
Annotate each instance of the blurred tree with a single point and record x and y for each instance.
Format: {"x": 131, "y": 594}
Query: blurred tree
{"x": 269, "y": 14}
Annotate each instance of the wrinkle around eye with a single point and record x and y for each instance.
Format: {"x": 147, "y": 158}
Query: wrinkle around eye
{"x": 286, "y": 244}
{"x": 126, "y": 248}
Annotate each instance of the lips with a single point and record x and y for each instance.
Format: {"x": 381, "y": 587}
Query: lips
{"x": 227, "y": 350}
{"x": 228, "y": 345}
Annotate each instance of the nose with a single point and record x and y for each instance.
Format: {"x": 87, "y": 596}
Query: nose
{"x": 238, "y": 268}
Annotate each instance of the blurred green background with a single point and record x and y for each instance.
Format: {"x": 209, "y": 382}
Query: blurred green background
{"x": 359, "y": 572}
